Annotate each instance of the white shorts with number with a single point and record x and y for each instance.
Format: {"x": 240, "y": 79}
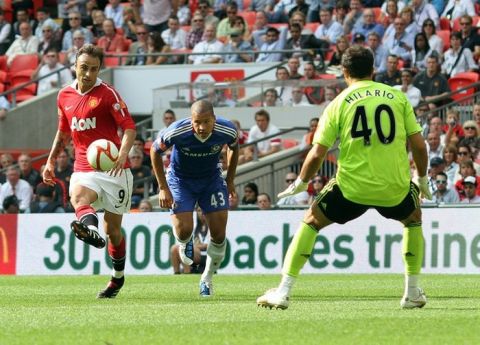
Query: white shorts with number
{"x": 114, "y": 192}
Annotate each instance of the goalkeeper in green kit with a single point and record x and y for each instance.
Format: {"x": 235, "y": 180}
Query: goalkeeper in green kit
{"x": 373, "y": 123}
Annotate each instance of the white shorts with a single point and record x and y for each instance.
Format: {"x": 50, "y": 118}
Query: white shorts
{"x": 114, "y": 192}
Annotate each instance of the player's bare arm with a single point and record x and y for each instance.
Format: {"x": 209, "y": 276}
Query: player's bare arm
{"x": 232, "y": 161}
{"x": 165, "y": 198}
{"x": 58, "y": 145}
{"x": 127, "y": 143}
{"x": 310, "y": 166}
{"x": 420, "y": 157}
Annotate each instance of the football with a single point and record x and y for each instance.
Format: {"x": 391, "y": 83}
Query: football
{"x": 102, "y": 154}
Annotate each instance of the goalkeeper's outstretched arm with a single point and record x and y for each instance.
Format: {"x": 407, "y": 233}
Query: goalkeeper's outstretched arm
{"x": 313, "y": 161}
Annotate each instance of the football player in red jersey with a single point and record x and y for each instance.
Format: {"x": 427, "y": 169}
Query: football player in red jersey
{"x": 90, "y": 109}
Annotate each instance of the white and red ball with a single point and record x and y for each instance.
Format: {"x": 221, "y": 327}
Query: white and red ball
{"x": 102, "y": 154}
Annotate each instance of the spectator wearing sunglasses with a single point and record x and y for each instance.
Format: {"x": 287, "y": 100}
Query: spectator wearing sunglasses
{"x": 297, "y": 199}
{"x": 444, "y": 194}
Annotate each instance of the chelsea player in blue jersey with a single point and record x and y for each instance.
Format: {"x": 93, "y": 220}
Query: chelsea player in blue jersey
{"x": 194, "y": 176}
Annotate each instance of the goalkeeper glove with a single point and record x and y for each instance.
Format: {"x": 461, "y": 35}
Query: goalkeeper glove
{"x": 423, "y": 185}
{"x": 296, "y": 187}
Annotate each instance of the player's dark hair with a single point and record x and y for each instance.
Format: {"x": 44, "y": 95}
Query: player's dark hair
{"x": 358, "y": 61}
{"x": 90, "y": 49}
{"x": 264, "y": 113}
{"x": 202, "y": 107}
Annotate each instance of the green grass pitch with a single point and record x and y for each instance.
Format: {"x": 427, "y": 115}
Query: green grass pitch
{"x": 324, "y": 309}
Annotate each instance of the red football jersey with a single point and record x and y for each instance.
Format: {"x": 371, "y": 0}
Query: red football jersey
{"x": 96, "y": 114}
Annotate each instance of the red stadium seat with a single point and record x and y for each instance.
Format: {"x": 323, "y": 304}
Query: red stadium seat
{"x": 8, "y": 10}
{"x": 445, "y": 36}
{"x": 3, "y": 76}
{"x": 3, "y": 63}
{"x": 289, "y": 143}
{"x": 444, "y": 23}
{"x": 249, "y": 17}
{"x": 378, "y": 13}
{"x": 326, "y": 76}
{"x": 312, "y": 27}
{"x": 461, "y": 80}
{"x": 23, "y": 62}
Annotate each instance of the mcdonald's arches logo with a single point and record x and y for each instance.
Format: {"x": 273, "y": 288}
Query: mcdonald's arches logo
{"x": 8, "y": 243}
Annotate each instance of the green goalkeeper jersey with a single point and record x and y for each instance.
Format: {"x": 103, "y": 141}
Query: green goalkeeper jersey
{"x": 372, "y": 122}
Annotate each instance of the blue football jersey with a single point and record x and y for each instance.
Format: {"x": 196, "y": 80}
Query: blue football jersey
{"x": 191, "y": 157}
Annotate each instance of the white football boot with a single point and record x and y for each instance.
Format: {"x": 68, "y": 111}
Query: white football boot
{"x": 409, "y": 302}
{"x": 273, "y": 299}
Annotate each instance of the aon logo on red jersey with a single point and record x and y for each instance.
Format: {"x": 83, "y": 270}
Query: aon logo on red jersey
{"x": 83, "y": 124}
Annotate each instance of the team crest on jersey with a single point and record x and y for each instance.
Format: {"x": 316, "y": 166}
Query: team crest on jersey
{"x": 93, "y": 102}
{"x": 119, "y": 105}
{"x": 215, "y": 148}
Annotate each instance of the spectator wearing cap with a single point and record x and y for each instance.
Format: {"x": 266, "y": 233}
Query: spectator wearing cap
{"x": 358, "y": 39}
{"x": 10, "y": 205}
{"x": 437, "y": 165}
{"x": 444, "y": 194}
{"x": 368, "y": 25}
{"x": 467, "y": 170}
{"x": 392, "y": 75}
{"x": 275, "y": 40}
{"x": 470, "y": 188}
{"x": 457, "y": 59}
{"x": 413, "y": 93}
{"x": 45, "y": 201}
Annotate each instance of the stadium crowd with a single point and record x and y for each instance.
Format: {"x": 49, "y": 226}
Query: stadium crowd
{"x": 418, "y": 45}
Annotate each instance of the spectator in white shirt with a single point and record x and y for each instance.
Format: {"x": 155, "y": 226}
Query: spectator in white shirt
{"x": 25, "y": 44}
{"x": 457, "y": 8}
{"x": 18, "y": 187}
{"x": 209, "y": 44}
{"x": 174, "y": 36}
{"x": 413, "y": 94}
{"x": 263, "y": 128}
{"x": 50, "y": 64}
{"x": 457, "y": 59}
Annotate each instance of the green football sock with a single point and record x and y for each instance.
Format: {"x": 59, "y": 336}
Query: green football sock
{"x": 299, "y": 250}
{"x": 412, "y": 249}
